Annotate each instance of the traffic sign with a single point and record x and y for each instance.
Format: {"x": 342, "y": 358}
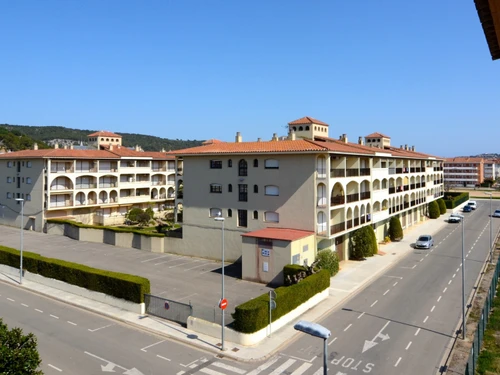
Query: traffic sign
{"x": 223, "y": 304}
{"x": 167, "y": 305}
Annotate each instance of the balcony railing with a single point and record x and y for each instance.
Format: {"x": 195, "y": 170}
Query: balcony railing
{"x": 406, "y": 188}
{"x": 352, "y": 172}
{"x": 66, "y": 203}
{"x": 155, "y": 183}
{"x": 364, "y": 195}
{"x": 352, "y": 197}
{"x": 60, "y": 187}
{"x": 335, "y": 201}
{"x": 85, "y": 186}
{"x": 108, "y": 185}
{"x": 86, "y": 170}
{"x": 399, "y": 170}
{"x": 364, "y": 171}
{"x": 337, "y": 173}
{"x": 321, "y": 172}
{"x": 159, "y": 169}
{"x": 392, "y": 170}
{"x": 356, "y": 221}
{"x": 392, "y": 190}
{"x": 412, "y": 186}
{"x": 66, "y": 170}
{"x": 336, "y": 228}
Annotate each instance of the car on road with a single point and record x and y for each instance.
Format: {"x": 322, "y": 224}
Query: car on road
{"x": 472, "y": 204}
{"x": 467, "y": 208}
{"x": 496, "y": 213}
{"x": 455, "y": 218}
{"x": 425, "y": 241}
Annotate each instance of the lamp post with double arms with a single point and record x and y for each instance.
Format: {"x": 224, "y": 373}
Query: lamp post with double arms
{"x": 22, "y": 223}
{"x": 221, "y": 219}
{"x": 463, "y": 279}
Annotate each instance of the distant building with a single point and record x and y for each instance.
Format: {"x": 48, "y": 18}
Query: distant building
{"x": 490, "y": 169}
{"x": 463, "y": 172}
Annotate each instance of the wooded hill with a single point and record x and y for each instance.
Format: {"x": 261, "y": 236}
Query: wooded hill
{"x": 49, "y": 134}
{"x": 14, "y": 140}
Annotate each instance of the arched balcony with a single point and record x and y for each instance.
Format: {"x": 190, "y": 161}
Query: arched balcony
{"x": 61, "y": 183}
{"x": 338, "y": 195}
{"x": 352, "y": 189}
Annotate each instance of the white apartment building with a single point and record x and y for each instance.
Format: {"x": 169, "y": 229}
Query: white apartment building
{"x": 92, "y": 186}
{"x": 308, "y": 183}
{"x": 490, "y": 169}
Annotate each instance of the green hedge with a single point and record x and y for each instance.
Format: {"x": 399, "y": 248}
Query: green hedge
{"x": 453, "y": 200}
{"x": 120, "y": 285}
{"x": 292, "y": 270}
{"x": 253, "y": 315}
{"x": 144, "y": 232}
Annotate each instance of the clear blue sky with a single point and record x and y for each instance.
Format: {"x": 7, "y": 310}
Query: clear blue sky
{"x": 418, "y": 71}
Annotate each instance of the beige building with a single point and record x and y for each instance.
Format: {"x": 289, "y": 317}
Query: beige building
{"x": 463, "y": 172}
{"x": 92, "y": 186}
{"x": 308, "y": 182}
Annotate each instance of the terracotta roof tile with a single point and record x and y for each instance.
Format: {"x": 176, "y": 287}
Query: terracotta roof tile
{"x": 306, "y": 121}
{"x": 116, "y": 153}
{"x": 377, "y": 135}
{"x": 461, "y": 159}
{"x": 210, "y": 141}
{"x": 284, "y": 234}
{"x": 103, "y": 133}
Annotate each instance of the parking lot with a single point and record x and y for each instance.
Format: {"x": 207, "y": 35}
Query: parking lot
{"x": 179, "y": 278}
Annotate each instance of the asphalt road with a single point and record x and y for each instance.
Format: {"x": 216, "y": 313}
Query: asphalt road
{"x": 179, "y": 278}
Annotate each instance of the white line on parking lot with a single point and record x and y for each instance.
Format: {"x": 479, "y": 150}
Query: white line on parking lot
{"x": 346, "y": 328}
{"x": 166, "y": 359}
{"x": 373, "y": 304}
{"x": 199, "y": 265}
{"x": 396, "y": 283}
{"x": 160, "y": 257}
{"x": 331, "y": 342}
{"x": 194, "y": 294}
{"x": 54, "y": 367}
{"x": 181, "y": 264}
{"x": 439, "y": 299}
{"x": 408, "y": 346}
{"x": 360, "y": 315}
{"x": 40, "y": 311}
{"x": 149, "y": 346}
{"x": 397, "y": 363}
{"x": 416, "y": 333}
{"x": 387, "y": 291}
{"x": 433, "y": 307}
{"x": 427, "y": 317}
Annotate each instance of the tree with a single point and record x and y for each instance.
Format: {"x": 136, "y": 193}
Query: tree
{"x": 395, "y": 229}
{"x": 373, "y": 236}
{"x": 362, "y": 244}
{"x": 18, "y": 352}
{"x": 133, "y": 214}
{"x": 328, "y": 260}
{"x": 143, "y": 218}
{"x": 434, "y": 210}
{"x": 150, "y": 212}
{"x": 442, "y": 206}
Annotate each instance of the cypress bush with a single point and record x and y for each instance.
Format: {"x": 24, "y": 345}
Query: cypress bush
{"x": 434, "y": 212}
{"x": 442, "y": 206}
{"x": 328, "y": 260}
{"x": 395, "y": 229}
{"x": 363, "y": 243}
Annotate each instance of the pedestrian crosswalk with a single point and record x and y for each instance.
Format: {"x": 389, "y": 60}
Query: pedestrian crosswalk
{"x": 277, "y": 365}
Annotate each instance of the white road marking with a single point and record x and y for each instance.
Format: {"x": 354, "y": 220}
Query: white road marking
{"x": 199, "y": 265}
{"x": 421, "y": 259}
{"x": 331, "y": 342}
{"x": 149, "y": 346}
{"x": 72, "y": 323}
{"x": 264, "y": 366}
{"x": 387, "y": 291}
{"x": 155, "y": 258}
{"x": 426, "y": 255}
{"x": 227, "y": 367}
{"x": 408, "y": 346}
{"x": 216, "y": 268}
{"x": 25, "y": 305}
{"x": 460, "y": 264}
{"x": 190, "y": 295}
{"x": 54, "y": 367}
{"x": 373, "y": 304}
{"x": 396, "y": 283}
{"x": 10, "y": 299}
{"x": 303, "y": 368}
{"x": 433, "y": 307}
{"x": 439, "y": 299}
{"x": 166, "y": 359}
{"x": 395, "y": 277}
{"x": 283, "y": 367}
{"x": 346, "y": 328}
{"x": 458, "y": 269}
{"x": 444, "y": 290}
{"x": 397, "y": 362}
{"x": 360, "y": 315}
{"x": 454, "y": 275}
{"x": 449, "y": 282}
{"x": 427, "y": 317}
{"x": 416, "y": 333}
{"x": 40, "y": 311}
{"x": 211, "y": 372}
{"x": 97, "y": 329}
{"x": 181, "y": 264}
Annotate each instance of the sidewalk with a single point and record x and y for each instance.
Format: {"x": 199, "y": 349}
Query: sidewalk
{"x": 349, "y": 281}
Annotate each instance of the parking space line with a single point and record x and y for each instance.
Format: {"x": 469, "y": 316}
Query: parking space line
{"x": 179, "y": 299}
{"x": 167, "y": 261}
{"x": 200, "y": 265}
{"x": 201, "y": 273}
{"x": 160, "y": 257}
{"x": 181, "y": 264}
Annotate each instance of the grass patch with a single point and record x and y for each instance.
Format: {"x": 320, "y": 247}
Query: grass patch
{"x": 488, "y": 362}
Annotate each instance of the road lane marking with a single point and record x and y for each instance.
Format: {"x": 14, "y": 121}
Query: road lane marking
{"x": 408, "y": 346}
{"x": 54, "y": 367}
{"x": 199, "y": 265}
{"x": 373, "y": 304}
{"x": 460, "y": 264}
{"x": 439, "y": 299}
{"x": 395, "y": 277}
{"x": 283, "y": 367}
{"x": 397, "y": 362}
{"x": 433, "y": 307}
{"x": 331, "y": 342}
{"x": 53, "y": 316}
{"x": 25, "y": 305}
{"x": 449, "y": 282}
{"x": 97, "y": 329}
{"x": 444, "y": 290}
{"x": 360, "y": 315}
{"x": 303, "y": 368}
{"x": 181, "y": 264}
{"x": 230, "y": 368}
{"x": 387, "y": 291}
{"x": 40, "y": 311}
{"x": 458, "y": 269}
{"x": 210, "y": 372}
{"x": 11, "y": 300}
{"x": 396, "y": 283}
{"x": 149, "y": 346}
{"x": 454, "y": 275}
{"x": 416, "y": 333}
{"x": 74, "y": 324}
{"x": 264, "y": 366}
{"x": 421, "y": 259}
{"x": 346, "y": 328}
{"x": 427, "y": 317}
{"x": 166, "y": 359}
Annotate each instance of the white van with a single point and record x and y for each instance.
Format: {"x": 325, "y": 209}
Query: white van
{"x": 472, "y": 204}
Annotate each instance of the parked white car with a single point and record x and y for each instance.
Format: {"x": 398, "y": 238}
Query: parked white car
{"x": 455, "y": 218}
{"x": 472, "y": 204}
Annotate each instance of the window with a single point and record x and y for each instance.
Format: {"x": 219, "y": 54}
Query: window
{"x": 230, "y": 188}
{"x": 9, "y": 164}
{"x": 305, "y": 248}
{"x": 272, "y": 217}
{"x": 256, "y": 189}
{"x": 28, "y": 197}
{"x": 9, "y": 180}
{"x": 216, "y": 188}
{"x": 242, "y": 218}
{"x": 23, "y": 163}
{"x": 215, "y": 212}
{"x": 255, "y": 215}
{"x": 242, "y": 168}
{"x": 216, "y": 164}
{"x": 255, "y": 163}
{"x": 272, "y": 190}
{"x": 229, "y": 213}
{"x": 296, "y": 259}
{"x": 243, "y": 192}
{"x": 23, "y": 180}
{"x": 271, "y": 164}
{"x": 9, "y": 195}
{"x": 229, "y": 163}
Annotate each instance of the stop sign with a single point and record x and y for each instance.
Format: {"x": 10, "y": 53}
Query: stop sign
{"x": 223, "y": 304}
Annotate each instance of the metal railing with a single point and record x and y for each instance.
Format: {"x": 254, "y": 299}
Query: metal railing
{"x": 168, "y": 309}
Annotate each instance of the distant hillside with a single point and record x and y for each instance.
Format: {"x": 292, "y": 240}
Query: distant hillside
{"x": 48, "y": 134}
{"x": 14, "y": 140}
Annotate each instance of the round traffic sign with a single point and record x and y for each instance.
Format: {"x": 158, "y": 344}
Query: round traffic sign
{"x": 167, "y": 305}
{"x": 223, "y": 304}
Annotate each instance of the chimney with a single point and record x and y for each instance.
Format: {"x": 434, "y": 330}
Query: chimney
{"x": 35, "y": 146}
{"x": 238, "y": 137}
{"x": 292, "y": 136}
{"x": 137, "y": 148}
{"x": 56, "y": 145}
{"x": 406, "y": 147}
{"x": 413, "y": 148}
{"x": 401, "y": 147}
{"x": 162, "y": 149}
{"x": 71, "y": 146}
{"x": 360, "y": 141}
{"x": 275, "y": 136}
{"x": 259, "y": 139}
{"x": 110, "y": 147}
{"x": 65, "y": 147}
{"x": 344, "y": 138}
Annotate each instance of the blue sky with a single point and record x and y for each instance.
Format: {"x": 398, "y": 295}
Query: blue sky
{"x": 418, "y": 71}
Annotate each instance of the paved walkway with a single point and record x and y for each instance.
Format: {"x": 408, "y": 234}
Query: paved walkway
{"x": 349, "y": 281}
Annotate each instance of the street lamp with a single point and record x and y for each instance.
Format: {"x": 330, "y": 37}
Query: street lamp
{"x": 22, "y": 222}
{"x": 315, "y": 330}
{"x": 463, "y": 280}
{"x": 491, "y": 245}
{"x": 221, "y": 219}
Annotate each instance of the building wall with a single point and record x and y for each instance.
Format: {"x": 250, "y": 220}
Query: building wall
{"x": 32, "y": 193}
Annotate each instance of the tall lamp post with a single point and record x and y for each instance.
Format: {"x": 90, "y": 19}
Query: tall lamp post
{"x": 315, "y": 330}
{"x": 22, "y": 222}
{"x": 463, "y": 279}
{"x": 490, "y": 245}
{"x": 221, "y": 219}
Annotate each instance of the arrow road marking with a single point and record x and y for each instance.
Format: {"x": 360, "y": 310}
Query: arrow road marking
{"x": 110, "y": 366}
{"x": 370, "y": 344}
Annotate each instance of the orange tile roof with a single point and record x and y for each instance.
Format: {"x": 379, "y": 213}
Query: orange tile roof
{"x": 299, "y": 145}
{"x": 307, "y": 120}
{"x": 340, "y": 146}
{"x": 284, "y": 234}
{"x": 116, "y": 153}
{"x": 210, "y": 141}
{"x": 377, "y": 135}
{"x": 461, "y": 159}
{"x": 103, "y": 133}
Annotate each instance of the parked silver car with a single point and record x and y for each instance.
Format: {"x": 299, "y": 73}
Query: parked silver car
{"x": 424, "y": 242}
{"x": 496, "y": 213}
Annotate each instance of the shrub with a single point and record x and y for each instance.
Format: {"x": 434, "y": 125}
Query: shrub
{"x": 328, "y": 260}
{"x": 150, "y": 212}
{"x": 133, "y": 214}
{"x": 395, "y": 229}
{"x": 373, "y": 236}
{"x": 143, "y": 218}
{"x": 292, "y": 270}
{"x": 433, "y": 208}
{"x": 442, "y": 206}
{"x": 455, "y": 199}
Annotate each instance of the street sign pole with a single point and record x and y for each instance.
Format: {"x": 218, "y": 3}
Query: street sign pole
{"x": 272, "y": 306}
